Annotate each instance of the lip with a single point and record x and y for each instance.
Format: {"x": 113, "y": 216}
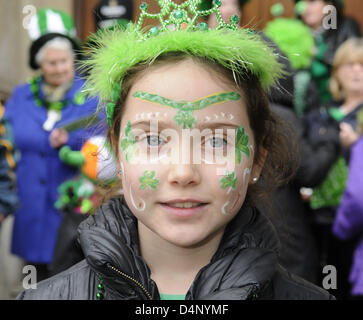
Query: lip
{"x": 183, "y": 212}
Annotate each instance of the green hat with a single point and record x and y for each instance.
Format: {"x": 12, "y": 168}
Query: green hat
{"x": 46, "y": 25}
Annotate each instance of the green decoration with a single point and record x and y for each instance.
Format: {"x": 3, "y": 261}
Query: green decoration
{"x": 71, "y": 191}
{"x": 34, "y": 83}
{"x": 300, "y": 7}
{"x": 294, "y": 39}
{"x": 86, "y": 205}
{"x": 73, "y": 158}
{"x": 128, "y": 144}
{"x": 336, "y": 114}
{"x": 79, "y": 98}
{"x": 330, "y": 192}
{"x": 114, "y": 52}
{"x": 302, "y": 78}
{"x": 185, "y": 116}
{"x": 148, "y": 180}
{"x": 241, "y": 144}
{"x": 100, "y": 289}
{"x": 277, "y": 9}
{"x": 229, "y": 180}
{"x": 179, "y": 15}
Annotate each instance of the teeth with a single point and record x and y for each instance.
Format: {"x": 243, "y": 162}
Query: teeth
{"x": 184, "y": 205}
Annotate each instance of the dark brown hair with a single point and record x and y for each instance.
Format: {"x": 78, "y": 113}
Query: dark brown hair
{"x": 270, "y": 132}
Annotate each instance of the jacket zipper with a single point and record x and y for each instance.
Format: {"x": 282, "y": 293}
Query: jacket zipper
{"x": 133, "y": 280}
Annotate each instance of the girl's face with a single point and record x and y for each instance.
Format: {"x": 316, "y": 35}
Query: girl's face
{"x": 350, "y": 77}
{"x": 183, "y": 189}
{"x": 313, "y": 15}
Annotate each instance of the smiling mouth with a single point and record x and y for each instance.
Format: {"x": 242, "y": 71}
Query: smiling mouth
{"x": 184, "y": 209}
{"x": 185, "y": 205}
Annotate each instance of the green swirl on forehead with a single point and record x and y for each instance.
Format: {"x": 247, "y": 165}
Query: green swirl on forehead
{"x": 185, "y": 109}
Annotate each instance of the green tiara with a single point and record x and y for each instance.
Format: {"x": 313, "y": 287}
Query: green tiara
{"x": 115, "y": 51}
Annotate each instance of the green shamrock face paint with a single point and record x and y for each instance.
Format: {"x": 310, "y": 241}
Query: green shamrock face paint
{"x": 185, "y": 117}
{"x": 128, "y": 143}
{"x": 241, "y": 144}
{"x": 229, "y": 181}
{"x": 148, "y": 180}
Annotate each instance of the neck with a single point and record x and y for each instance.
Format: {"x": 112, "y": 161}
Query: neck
{"x": 174, "y": 268}
{"x": 352, "y": 101}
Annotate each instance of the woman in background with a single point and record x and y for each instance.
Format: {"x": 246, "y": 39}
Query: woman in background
{"x": 36, "y": 111}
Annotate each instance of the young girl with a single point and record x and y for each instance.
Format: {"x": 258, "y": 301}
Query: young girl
{"x": 196, "y": 144}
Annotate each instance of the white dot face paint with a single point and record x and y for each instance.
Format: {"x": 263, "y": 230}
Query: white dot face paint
{"x": 140, "y": 205}
{"x": 185, "y": 177}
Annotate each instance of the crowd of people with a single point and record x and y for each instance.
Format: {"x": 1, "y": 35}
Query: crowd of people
{"x": 89, "y": 193}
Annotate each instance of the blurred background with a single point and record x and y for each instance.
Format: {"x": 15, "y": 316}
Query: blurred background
{"x": 15, "y": 41}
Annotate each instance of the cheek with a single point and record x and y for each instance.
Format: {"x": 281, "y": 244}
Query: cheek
{"x": 342, "y": 75}
{"x": 140, "y": 184}
{"x": 229, "y": 190}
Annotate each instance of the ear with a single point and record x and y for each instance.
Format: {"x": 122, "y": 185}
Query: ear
{"x": 258, "y": 166}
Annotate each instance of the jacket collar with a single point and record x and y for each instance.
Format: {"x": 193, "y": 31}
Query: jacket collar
{"x": 243, "y": 264}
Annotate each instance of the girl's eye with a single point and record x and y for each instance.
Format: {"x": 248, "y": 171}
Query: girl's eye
{"x": 216, "y": 142}
{"x": 154, "y": 141}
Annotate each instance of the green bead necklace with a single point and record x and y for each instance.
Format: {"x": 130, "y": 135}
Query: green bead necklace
{"x": 100, "y": 289}
{"x": 78, "y": 99}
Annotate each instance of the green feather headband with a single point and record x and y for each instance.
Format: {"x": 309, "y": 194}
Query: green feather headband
{"x": 115, "y": 51}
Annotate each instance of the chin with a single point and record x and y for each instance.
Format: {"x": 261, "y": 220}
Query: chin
{"x": 188, "y": 238}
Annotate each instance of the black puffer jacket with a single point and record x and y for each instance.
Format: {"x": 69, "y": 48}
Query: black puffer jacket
{"x": 244, "y": 266}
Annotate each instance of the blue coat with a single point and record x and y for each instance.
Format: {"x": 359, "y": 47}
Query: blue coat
{"x": 39, "y": 170}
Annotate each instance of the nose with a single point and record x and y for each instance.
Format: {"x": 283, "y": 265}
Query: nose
{"x": 184, "y": 175}
{"x": 59, "y": 67}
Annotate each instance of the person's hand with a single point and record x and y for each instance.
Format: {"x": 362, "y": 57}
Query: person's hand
{"x": 347, "y": 135}
{"x": 58, "y": 137}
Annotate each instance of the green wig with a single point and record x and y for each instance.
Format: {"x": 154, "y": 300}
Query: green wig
{"x": 116, "y": 51}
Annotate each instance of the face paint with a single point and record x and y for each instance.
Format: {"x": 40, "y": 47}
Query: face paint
{"x": 128, "y": 143}
{"x": 141, "y": 204}
{"x": 185, "y": 117}
{"x": 229, "y": 181}
{"x": 241, "y": 144}
{"x": 147, "y": 115}
{"x": 245, "y": 173}
{"x": 148, "y": 180}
